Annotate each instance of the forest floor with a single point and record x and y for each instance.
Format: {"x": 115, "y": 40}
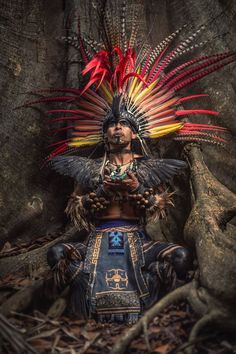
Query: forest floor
{"x": 46, "y": 333}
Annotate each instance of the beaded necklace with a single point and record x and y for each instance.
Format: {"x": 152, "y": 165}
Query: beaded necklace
{"x": 116, "y": 174}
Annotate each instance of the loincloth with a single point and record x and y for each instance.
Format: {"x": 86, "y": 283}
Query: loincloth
{"x": 115, "y": 266}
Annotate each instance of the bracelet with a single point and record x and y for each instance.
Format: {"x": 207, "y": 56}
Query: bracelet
{"x": 142, "y": 200}
{"x": 94, "y": 202}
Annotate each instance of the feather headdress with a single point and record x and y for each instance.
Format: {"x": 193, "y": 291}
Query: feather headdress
{"x": 147, "y": 80}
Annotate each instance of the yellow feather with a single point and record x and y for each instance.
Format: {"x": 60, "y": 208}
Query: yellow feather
{"x": 137, "y": 90}
{"x": 164, "y": 130}
{"x": 133, "y": 83}
{"x": 144, "y": 92}
{"x": 92, "y": 139}
{"x": 107, "y": 93}
{"x": 159, "y": 108}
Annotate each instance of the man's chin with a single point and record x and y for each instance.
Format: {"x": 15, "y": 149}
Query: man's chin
{"x": 120, "y": 141}
{"x": 119, "y": 144}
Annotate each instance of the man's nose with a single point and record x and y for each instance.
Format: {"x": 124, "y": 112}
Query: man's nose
{"x": 118, "y": 125}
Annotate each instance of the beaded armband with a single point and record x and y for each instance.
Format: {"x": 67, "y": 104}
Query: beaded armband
{"x": 142, "y": 197}
{"x": 83, "y": 209}
{"x": 96, "y": 202}
{"x": 146, "y": 199}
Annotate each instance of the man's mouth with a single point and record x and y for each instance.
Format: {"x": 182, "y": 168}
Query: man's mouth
{"x": 118, "y": 138}
{"x": 118, "y": 135}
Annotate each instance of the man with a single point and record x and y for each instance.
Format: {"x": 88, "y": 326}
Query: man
{"x": 131, "y": 93}
{"x": 120, "y": 271}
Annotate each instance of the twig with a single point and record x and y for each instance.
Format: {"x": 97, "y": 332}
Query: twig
{"x": 37, "y": 319}
{"x": 88, "y": 344}
{"x": 12, "y": 336}
{"x": 54, "y": 346}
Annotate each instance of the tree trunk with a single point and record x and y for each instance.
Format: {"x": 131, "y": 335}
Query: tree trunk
{"x": 32, "y": 200}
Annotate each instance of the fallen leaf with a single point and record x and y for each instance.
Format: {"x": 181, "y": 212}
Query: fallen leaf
{"x": 40, "y": 343}
{"x": 163, "y": 349}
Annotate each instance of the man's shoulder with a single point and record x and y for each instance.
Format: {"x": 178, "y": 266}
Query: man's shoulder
{"x": 83, "y": 170}
{"x": 153, "y": 172}
{"x": 140, "y": 158}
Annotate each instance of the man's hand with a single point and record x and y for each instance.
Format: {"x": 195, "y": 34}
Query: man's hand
{"x": 129, "y": 184}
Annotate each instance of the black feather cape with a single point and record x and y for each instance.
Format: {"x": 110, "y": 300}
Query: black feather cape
{"x": 151, "y": 172}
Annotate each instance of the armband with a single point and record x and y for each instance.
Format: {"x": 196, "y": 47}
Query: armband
{"x": 142, "y": 197}
{"x": 94, "y": 202}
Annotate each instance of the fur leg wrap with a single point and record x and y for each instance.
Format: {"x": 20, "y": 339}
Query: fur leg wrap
{"x": 66, "y": 261}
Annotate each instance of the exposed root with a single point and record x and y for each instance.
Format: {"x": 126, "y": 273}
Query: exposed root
{"x": 146, "y": 336}
{"x": 21, "y": 300}
{"x": 205, "y": 320}
{"x": 198, "y": 299}
{"x": 135, "y": 330}
{"x": 183, "y": 346}
{"x": 32, "y": 261}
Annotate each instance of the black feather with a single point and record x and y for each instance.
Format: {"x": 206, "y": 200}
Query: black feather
{"x": 153, "y": 172}
{"x": 85, "y": 171}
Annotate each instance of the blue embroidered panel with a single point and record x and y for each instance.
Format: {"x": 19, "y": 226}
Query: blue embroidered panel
{"x": 116, "y": 242}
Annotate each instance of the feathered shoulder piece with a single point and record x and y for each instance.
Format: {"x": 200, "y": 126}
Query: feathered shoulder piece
{"x": 154, "y": 172}
{"x": 86, "y": 172}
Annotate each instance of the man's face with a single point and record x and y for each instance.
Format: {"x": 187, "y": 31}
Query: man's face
{"x": 119, "y": 133}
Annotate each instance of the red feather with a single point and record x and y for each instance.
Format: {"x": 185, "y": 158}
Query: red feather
{"x": 195, "y": 111}
{"x": 191, "y": 62}
{"x": 152, "y": 76}
{"x": 194, "y": 69}
{"x": 128, "y": 76}
{"x": 57, "y": 151}
{"x": 59, "y": 142}
{"x": 203, "y": 73}
{"x": 187, "y": 98}
{"x": 118, "y": 51}
{"x": 194, "y": 126}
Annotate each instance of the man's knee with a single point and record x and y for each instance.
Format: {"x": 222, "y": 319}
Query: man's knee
{"x": 55, "y": 254}
{"x": 181, "y": 260}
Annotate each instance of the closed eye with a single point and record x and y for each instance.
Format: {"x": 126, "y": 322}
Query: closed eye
{"x": 124, "y": 123}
